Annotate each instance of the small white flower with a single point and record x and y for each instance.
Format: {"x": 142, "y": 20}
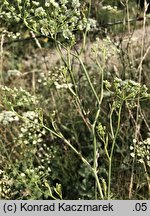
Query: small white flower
{"x": 132, "y": 154}
{"x": 75, "y": 3}
{"x": 35, "y": 3}
{"x": 40, "y": 11}
{"x": 141, "y": 160}
{"x": 134, "y": 141}
{"x": 53, "y": 2}
{"x": 34, "y": 142}
{"x": 26, "y": 142}
{"x": 22, "y": 175}
{"x": 131, "y": 148}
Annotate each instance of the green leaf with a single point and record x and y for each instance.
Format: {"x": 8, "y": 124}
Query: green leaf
{"x": 58, "y": 190}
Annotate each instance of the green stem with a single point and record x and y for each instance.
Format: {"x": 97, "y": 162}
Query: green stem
{"x": 95, "y": 149}
{"x": 59, "y": 135}
{"x": 112, "y": 148}
{"x": 86, "y": 30}
{"x": 73, "y": 92}
{"x": 88, "y": 79}
{"x": 98, "y": 184}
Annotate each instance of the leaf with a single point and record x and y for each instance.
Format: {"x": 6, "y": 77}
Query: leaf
{"x": 58, "y": 190}
{"x": 50, "y": 191}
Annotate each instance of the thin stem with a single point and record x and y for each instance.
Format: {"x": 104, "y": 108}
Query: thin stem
{"x": 1, "y": 60}
{"x": 86, "y": 30}
{"x": 95, "y": 148}
{"x": 112, "y": 149}
{"x": 95, "y": 122}
{"x": 88, "y": 79}
{"x": 59, "y": 135}
{"x": 73, "y": 92}
{"x": 148, "y": 179}
{"x": 98, "y": 184}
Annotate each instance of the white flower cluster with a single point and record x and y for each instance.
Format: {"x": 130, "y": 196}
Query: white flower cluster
{"x": 30, "y": 130}
{"x": 17, "y": 97}
{"x": 91, "y": 24}
{"x": 51, "y": 2}
{"x": 141, "y": 151}
{"x": 13, "y": 73}
{"x": 7, "y": 117}
{"x": 63, "y": 85}
{"x": 45, "y": 155}
{"x": 35, "y": 3}
{"x": 40, "y": 12}
{"x": 5, "y": 184}
{"x": 55, "y": 77}
{"x": 30, "y": 115}
{"x": 49, "y": 17}
{"x": 104, "y": 49}
{"x": 110, "y": 8}
{"x": 128, "y": 91}
{"x": 9, "y": 34}
{"x": 75, "y": 3}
